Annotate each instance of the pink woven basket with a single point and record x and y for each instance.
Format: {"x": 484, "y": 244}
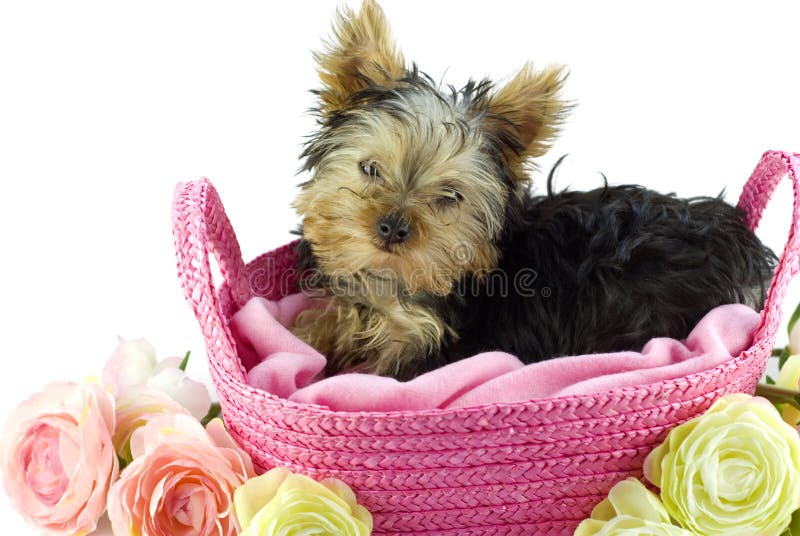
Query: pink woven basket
{"x": 537, "y": 467}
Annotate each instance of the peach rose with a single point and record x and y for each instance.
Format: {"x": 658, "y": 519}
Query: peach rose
{"x": 181, "y": 480}
{"x": 58, "y": 459}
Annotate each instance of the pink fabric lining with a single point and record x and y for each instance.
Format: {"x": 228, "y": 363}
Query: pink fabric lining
{"x": 281, "y": 364}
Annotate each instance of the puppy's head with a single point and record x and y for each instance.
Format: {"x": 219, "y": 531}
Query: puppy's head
{"x": 409, "y": 179}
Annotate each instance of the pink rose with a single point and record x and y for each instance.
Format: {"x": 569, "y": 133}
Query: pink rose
{"x": 58, "y": 459}
{"x": 181, "y": 481}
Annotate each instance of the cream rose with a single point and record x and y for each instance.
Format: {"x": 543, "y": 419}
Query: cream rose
{"x": 57, "y": 457}
{"x": 734, "y": 471}
{"x": 789, "y": 378}
{"x": 134, "y": 364}
{"x": 794, "y": 337}
{"x": 630, "y": 509}
{"x": 280, "y": 503}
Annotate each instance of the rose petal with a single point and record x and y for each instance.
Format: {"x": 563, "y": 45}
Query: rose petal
{"x": 181, "y": 481}
{"x": 630, "y": 509}
{"x": 57, "y": 457}
{"x": 280, "y": 502}
{"x": 174, "y": 427}
{"x": 734, "y": 470}
{"x": 631, "y": 498}
{"x": 190, "y": 394}
{"x": 794, "y": 339}
{"x": 789, "y": 375}
{"x": 256, "y": 492}
{"x": 131, "y": 364}
{"x": 173, "y": 362}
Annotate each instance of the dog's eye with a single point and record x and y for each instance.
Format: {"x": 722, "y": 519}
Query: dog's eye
{"x": 370, "y": 169}
{"x": 450, "y": 198}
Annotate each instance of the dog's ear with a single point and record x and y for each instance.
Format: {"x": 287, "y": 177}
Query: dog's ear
{"x": 362, "y": 51}
{"x": 526, "y": 114}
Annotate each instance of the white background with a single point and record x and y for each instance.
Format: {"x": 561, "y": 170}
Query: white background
{"x": 105, "y": 106}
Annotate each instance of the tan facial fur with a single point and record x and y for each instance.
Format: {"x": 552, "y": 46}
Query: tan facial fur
{"x": 432, "y": 175}
{"x": 446, "y": 164}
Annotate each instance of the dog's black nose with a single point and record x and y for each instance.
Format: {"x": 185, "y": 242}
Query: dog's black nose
{"x": 394, "y": 229}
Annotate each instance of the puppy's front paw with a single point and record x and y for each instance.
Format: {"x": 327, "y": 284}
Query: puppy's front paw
{"x": 317, "y": 328}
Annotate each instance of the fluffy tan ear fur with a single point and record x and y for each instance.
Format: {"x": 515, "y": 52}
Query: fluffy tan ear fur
{"x": 362, "y": 49}
{"x": 528, "y": 111}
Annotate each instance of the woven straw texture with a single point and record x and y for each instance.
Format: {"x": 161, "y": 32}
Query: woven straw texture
{"x": 534, "y": 468}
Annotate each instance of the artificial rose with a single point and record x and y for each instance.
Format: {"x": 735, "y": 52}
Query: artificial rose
{"x": 631, "y": 509}
{"x": 135, "y": 407}
{"x": 789, "y": 375}
{"x": 794, "y": 338}
{"x": 280, "y": 502}
{"x": 789, "y": 378}
{"x": 133, "y": 364}
{"x": 58, "y": 459}
{"x": 181, "y": 480}
{"x": 733, "y": 471}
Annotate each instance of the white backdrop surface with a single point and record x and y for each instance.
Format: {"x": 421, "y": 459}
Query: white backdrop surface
{"x": 105, "y": 106}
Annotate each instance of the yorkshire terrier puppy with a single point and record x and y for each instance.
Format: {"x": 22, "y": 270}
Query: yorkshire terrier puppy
{"x": 424, "y": 245}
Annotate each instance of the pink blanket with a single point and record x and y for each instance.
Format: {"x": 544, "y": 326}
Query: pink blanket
{"x": 283, "y": 365}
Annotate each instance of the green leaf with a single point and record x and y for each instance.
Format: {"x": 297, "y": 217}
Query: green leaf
{"x": 770, "y": 381}
{"x": 185, "y": 360}
{"x": 213, "y": 412}
{"x": 783, "y": 357}
{"x": 776, "y": 352}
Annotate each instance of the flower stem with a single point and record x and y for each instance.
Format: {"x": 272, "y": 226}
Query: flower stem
{"x": 214, "y": 412}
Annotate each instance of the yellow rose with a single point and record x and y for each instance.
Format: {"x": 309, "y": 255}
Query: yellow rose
{"x": 794, "y": 338}
{"x": 733, "y": 471}
{"x": 280, "y": 503}
{"x": 630, "y": 509}
{"x": 789, "y": 378}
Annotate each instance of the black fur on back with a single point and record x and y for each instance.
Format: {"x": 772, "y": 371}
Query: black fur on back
{"x": 615, "y": 267}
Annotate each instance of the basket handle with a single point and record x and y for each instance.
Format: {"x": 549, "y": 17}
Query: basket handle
{"x": 774, "y": 166}
{"x": 200, "y": 228}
